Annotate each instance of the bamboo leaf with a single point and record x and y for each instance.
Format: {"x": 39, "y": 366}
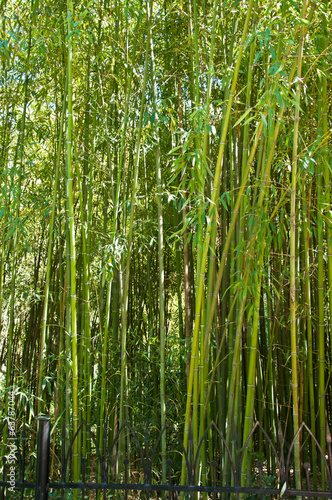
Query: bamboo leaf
{"x": 279, "y": 98}
{"x": 273, "y": 54}
{"x": 257, "y": 57}
{"x": 242, "y": 117}
{"x": 13, "y": 36}
{"x": 305, "y": 21}
{"x": 264, "y": 121}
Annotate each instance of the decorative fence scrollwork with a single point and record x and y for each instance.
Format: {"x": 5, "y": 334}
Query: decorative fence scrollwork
{"x": 100, "y": 475}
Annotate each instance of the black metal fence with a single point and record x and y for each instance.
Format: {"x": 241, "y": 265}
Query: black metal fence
{"x": 114, "y": 484}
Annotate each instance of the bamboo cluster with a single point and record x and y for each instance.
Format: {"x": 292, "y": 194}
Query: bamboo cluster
{"x": 165, "y": 219}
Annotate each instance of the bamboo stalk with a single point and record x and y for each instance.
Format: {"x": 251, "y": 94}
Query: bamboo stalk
{"x": 293, "y": 257}
{"x": 129, "y": 245}
{"x": 72, "y": 249}
{"x": 321, "y": 169}
{"x": 19, "y": 153}
{"x": 199, "y": 295}
{"x": 162, "y": 328}
{"x": 49, "y": 260}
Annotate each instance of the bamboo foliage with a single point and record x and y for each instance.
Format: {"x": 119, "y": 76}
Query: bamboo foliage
{"x": 165, "y": 221}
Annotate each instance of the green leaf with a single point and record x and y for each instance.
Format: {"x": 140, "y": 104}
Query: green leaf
{"x": 242, "y": 117}
{"x": 258, "y": 55}
{"x": 297, "y": 7}
{"x": 174, "y": 149}
{"x": 273, "y": 69}
{"x": 225, "y": 202}
{"x": 13, "y": 36}
{"x": 264, "y": 121}
{"x": 11, "y": 231}
{"x": 279, "y": 98}
{"x": 305, "y": 21}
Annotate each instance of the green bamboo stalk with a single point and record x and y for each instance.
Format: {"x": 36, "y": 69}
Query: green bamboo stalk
{"x": 87, "y": 280}
{"x": 19, "y": 153}
{"x": 310, "y": 371}
{"x": 49, "y": 261}
{"x": 106, "y": 199}
{"x": 103, "y": 388}
{"x": 162, "y": 328}
{"x": 196, "y": 92}
{"x": 67, "y": 293}
{"x": 234, "y": 375}
{"x": 205, "y": 410}
{"x": 5, "y": 204}
{"x": 265, "y": 180}
{"x": 186, "y": 244}
{"x": 250, "y": 396}
{"x": 240, "y": 261}
{"x": 66, "y": 311}
{"x": 69, "y": 136}
{"x": 85, "y": 344}
{"x": 323, "y": 202}
{"x": 115, "y": 226}
{"x": 126, "y": 266}
{"x": 85, "y": 350}
{"x": 200, "y": 290}
{"x": 257, "y": 135}
{"x": 321, "y": 169}
{"x": 293, "y": 278}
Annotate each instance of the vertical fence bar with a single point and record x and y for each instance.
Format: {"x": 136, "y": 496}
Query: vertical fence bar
{"x": 43, "y": 454}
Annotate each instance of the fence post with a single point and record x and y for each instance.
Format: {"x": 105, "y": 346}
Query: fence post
{"x": 43, "y": 454}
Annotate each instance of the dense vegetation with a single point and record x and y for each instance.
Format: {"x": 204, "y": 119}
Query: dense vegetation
{"x": 166, "y": 237}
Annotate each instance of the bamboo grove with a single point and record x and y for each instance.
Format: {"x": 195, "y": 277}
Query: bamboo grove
{"x": 165, "y": 219}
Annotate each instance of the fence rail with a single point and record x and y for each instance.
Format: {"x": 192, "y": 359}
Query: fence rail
{"x": 214, "y": 486}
